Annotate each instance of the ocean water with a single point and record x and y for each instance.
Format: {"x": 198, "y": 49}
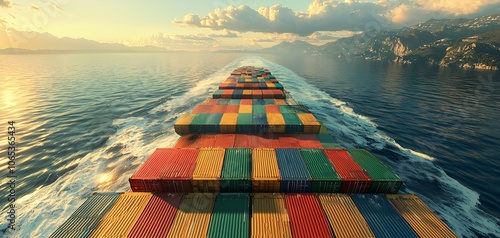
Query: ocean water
{"x": 85, "y": 122}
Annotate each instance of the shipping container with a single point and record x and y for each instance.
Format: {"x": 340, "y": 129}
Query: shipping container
{"x": 268, "y": 93}
{"x": 423, "y": 221}
{"x": 258, "y": 109}
{"x": 278, "y": 94}
{"x": 237, "y": 170}
{"x": 354, "y": 178}
{"x": 247, "y": 94}
{"x": 245, "y": 109}
{"x": 193, "y": 217}
{"x": 217, "y": 109}
{"x": 384, "y": 221}
{"x": 293, "y": 171}
{"x": 293, "y": 123}
{"x": 280, "y": 101}
{"x": 345, "y": 219}
{"x": 324, "y": 177}
{"x": 246, "y": 101}
{"x": 311, "y": 125}
{"x": 176, "y": 173}
{"x": 270, "y": 216}
{"x": 276, "y": 123}
{"x": 157, "y": 217}
{"x": 223, "y": 101}
{"x": 120, "y": 219}
{"x": 383, "y": 179}
{"x": 232, "y": 109}
{"x": 224, "y": 140}
{"x": 328, "y": 142}
{"x": 323, "y": 129}
{"x": 203, "y": 109}
{"x": 269, "y": 102}
{"x": 259, "y": 122}
{"x": 244, "y": 123}
{"x": 288, "y": 141}
{"x": 309, "y": 141}
{"x": 271, "y": 108}
{"x": 258, "y": 102}
{"x": 230, "y": 217}
{"x": 307, "y": 218}
{"x": 256, "y": 94}
{"x": 238, "y": 93}
{"x": 234, "y": 102}
{"x": 84, "y": 220}
{"x": 213, "y": 124}
{"x": 211, "y": 102}
{"x": 198, "y": 124}
{"x": 147, "y": 177}
{"x": 206, "y": 175}
{"x": 181, "y": 126}
{"x": 265, "y": 171}
{"x": 228, "y": 123}
{"x": 217, "y": 93}
{"x": 262, "y": 85}
{"x": 227, "y": 93}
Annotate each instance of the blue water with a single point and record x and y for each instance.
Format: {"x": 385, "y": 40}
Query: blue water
{"x": 85, "y": 122}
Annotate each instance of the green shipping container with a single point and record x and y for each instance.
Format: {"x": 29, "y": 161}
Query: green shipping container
{"x": 324, "y": 177}
{"x": 323, "y": 129}
{"x": 384, "y": 180}
{"x": 293, "y": 124}
{"x": 198, "y": 123}
{"x": 237, "y": 170}
{"x": 234, "y": 102}
{"x": 286, "y": 109}
{"x": 230, "y": 216}
{"x": 244, "y": 123}
{"x": 258, "y": 109}
{"x": 212, "y": 124}
{"x": 328, "y": 142}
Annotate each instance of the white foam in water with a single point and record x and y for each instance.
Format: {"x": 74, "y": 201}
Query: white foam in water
{"x": 42, "y": 211}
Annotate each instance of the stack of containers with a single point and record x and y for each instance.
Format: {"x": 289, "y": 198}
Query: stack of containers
{"x": 248, "y": 139}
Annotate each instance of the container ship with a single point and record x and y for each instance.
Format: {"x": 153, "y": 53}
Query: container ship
{"x": 252, "y": 162}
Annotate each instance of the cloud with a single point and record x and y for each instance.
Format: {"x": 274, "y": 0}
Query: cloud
{"x": 6, "y": 3}
{"x": 333, "y": 15}
{"x": 174, "y": 42}
{"x": 225, "y": 34}
{"x": 35, "y": 8}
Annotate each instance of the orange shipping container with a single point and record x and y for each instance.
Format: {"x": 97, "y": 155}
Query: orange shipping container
{"x": 270, "y": 217}
{"x": 344, "y": 217}
{"x": 265, "y": 171}
{"x": 228, "y": 122}
{"x": 193, "y": 217}
{"x": 247, "y": 94}
{"x": 121, "y": 218}
{"x": 423, "y": 221}
{"x": 206, "y": 175}
{"x": 311, "y": 125}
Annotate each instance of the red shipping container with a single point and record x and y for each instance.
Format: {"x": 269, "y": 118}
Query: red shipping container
{"x": 354, "y": 178}
{"x": 268, "y": 94}
{"x": 288, "y": 141}
{"x": 274, "y": 81}
{"x": 240, "y": 85}
{"x": 280, "y": 102}
{"x": 223, "y": 85}
{"x": 246, "y": 102}
{"x": 203, "y": 109}
{"x": 241, "y": 141}
{"x": 225, "y": 140}
{"x": 176, "y": 173}
{"x": 157, "y": 216}
{"x": 232, "y": 109}
{"x": 272, "y": 109}
{"x": 218, "y": 109}
{"x": 205, "y": 141}
{"x": 273, "y": 141}
{"x": 212, "y": 101}
{"x": 227, "y": 94}
{"x": 263, "y": 142}
{"x": 309, "y": 141}
{"x": 307, "y": 218}
{"x": 147, "y": 177}
{"x": 278, "y": 93}
{"x": 185, "y": 141}
{"x": 254, "y": 86}
{"x": 257, "y": 94}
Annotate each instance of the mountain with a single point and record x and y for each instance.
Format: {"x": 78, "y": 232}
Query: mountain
{"x": 33, "y": 42}
{"x": 467, "y": 43}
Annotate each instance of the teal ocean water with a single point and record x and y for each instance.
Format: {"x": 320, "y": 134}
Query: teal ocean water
{"x": 85, "y": 122}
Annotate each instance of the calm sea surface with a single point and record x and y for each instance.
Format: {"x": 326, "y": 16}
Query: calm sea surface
{"x": 85, "y": 122}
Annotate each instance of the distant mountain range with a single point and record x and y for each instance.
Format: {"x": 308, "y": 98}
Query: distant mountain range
{"x": 467, "y": 43}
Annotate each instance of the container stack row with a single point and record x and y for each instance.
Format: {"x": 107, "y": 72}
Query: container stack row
{"x": 263, "y": 170}
{"x": 252, "y": 215}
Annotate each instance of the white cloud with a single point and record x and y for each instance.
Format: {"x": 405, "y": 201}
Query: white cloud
{"x": 6, "y": 3}
{"x": 174, "y": 42}
{"x": 225, "y": 34}
{"x": 333, "y": 15}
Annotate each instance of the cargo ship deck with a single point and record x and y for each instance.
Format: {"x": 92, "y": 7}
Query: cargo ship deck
{"x": 253, "y": 162}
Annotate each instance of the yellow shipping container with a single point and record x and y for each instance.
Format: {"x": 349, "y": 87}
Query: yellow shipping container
{"x": 193, "y": 217}
{"x": 311, "y": 125}
{"x": 247, "y": 93}
{"x": 206, "y": 175}
{"x": 265, "y": 171}
{"x": 423, "y": 221}
{"x": 344, "y": 217}
{"x": 270, "y": 85}
{"x": 121, "y": 218}
{"x": 276, "y": 123}
{"x": 245, "y": 109}
{"x": 269, "y": 216}
{"x": 181, "y": 126}
{"x": 228, "y": 123}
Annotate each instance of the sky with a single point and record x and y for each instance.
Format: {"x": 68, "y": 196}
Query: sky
{"x": 221, "y": 24}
